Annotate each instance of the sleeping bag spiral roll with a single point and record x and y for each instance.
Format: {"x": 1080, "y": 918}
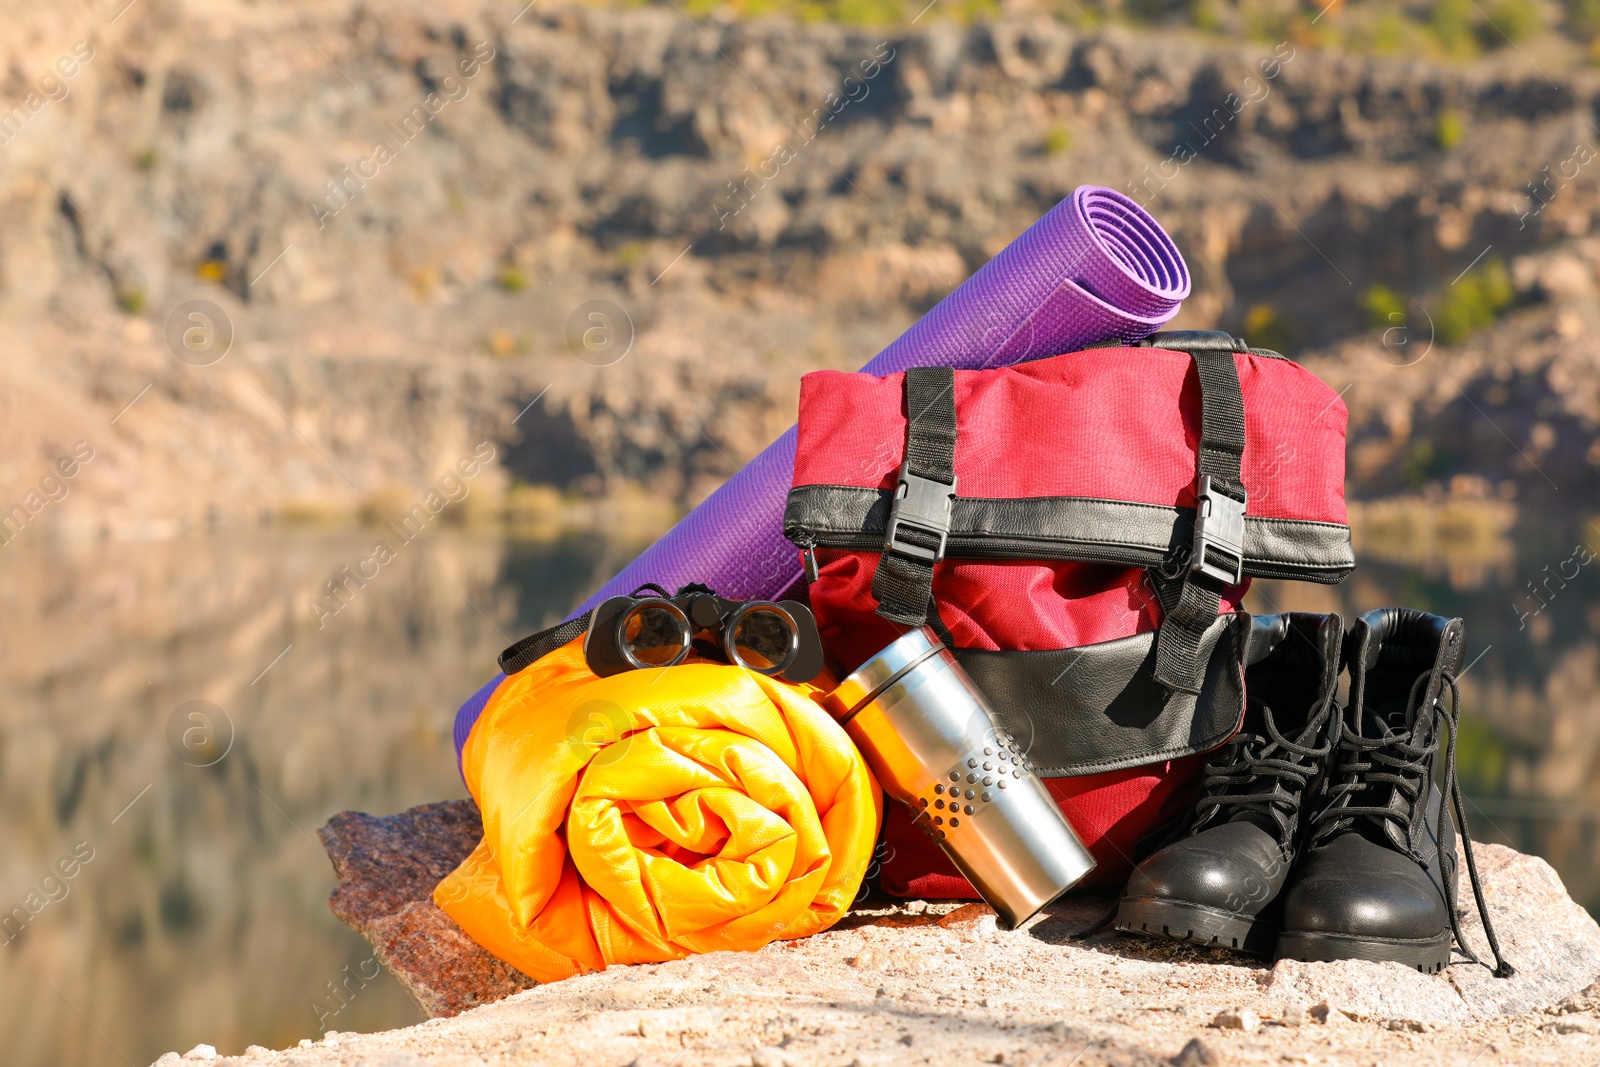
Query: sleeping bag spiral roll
{"x": 656, "y": 813}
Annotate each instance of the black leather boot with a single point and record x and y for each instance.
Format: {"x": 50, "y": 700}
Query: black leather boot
{"x": 1377, "y": 879}
{"x": 1220, "y": 883}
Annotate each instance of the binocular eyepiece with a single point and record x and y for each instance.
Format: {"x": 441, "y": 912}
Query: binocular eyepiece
{"x": 633, "y": 633}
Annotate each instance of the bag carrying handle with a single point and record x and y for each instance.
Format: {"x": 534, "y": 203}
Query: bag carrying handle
{"x": 1192, "y": 341}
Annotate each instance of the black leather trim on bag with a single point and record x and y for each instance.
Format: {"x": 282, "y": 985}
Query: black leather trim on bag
{"x": 1099, "y": 708}
{"x": 1069, "y": 528}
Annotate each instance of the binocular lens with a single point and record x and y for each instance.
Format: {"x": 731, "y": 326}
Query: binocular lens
{"x": 654, "y": 633}
{"x": 628, "y": 633}
{"x": 764, "y": 638}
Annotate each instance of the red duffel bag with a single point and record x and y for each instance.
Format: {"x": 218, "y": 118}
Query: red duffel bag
{"x": 1081, "y": 530}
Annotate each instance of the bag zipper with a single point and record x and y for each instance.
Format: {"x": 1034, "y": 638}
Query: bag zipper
{"x": 970, "y": 546}
{"x": 973, "y": 546}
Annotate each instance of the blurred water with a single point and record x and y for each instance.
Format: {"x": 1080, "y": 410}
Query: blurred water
{"x": 202, "y": 914}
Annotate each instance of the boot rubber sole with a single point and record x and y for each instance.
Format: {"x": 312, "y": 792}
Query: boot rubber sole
{"x": 1430, "y": 955}
{"x": 1196, "y": 924}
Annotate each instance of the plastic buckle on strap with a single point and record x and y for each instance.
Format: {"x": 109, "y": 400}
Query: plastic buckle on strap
{"x": 1218, "y": 557}
{"x": 920, "y": 505}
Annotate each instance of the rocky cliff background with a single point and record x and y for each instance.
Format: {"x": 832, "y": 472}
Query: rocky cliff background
{"x": 294, "y": 262}
{"x": 397, "y": 218}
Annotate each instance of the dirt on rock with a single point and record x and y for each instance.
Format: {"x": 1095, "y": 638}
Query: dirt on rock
{"x": 945, "y": 991}
{"x": 919, "y": 982}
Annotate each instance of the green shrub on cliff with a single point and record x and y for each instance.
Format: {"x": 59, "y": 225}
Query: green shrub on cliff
{"x": 1583, "y": 18}
{"x": 1459, "y": 29}
{"x": 1448, "y": 129}
{"x": 850, "y": 12}
{"x": 1474, "y": 302}
{"x": 1384, "y": 307}
{"x": 1513, "y": 21}
{"x": 1452, "y": 24}
{"x": 1480, "y": 757}
{"x": 1268, "y": 327}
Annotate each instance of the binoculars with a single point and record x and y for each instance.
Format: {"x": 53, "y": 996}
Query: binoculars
{"x": 633, "y": 632}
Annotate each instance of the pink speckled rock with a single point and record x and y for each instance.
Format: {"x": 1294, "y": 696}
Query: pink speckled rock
{"x": 387, "y": 869}
{"x": 1553, "y": 943}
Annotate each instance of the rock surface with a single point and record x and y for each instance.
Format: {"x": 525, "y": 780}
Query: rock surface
{"x": 387, "y": 869}
{"x": 919, "y": 982}
{"x": 1553, "y": 943}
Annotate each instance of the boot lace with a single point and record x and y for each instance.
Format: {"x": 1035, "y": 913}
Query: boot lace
{"x": 1394, "y": 759}
{"x": 1284, "y": 766}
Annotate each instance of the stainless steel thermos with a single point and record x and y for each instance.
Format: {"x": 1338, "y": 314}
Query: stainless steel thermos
{"x": 935, "y": 745}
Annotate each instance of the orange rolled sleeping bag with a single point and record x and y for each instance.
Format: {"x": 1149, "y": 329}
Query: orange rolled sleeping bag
{"x": 656, "y": 813}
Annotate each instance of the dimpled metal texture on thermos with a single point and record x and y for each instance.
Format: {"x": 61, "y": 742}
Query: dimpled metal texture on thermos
{"x": 936, "y": 747}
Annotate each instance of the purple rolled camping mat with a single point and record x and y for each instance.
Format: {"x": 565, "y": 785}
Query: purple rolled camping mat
{"x": 1096, "y": 267}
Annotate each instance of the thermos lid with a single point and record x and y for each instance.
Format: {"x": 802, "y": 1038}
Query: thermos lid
{"x": 875, "y": 675}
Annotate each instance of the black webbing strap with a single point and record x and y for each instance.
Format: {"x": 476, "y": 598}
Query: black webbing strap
{"x": 919, "y": 515}
{"x": 537, "y": 646}
{"x": 1191, "y": 595}
{"x": 1221, "y": 421}
{"x": 1189, "y": 608}
{"x": 931, "y": 423}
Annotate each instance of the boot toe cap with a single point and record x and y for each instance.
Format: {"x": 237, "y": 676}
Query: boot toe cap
{"x": 1381, "y": 894}
{"x": 1232, "y": 872}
